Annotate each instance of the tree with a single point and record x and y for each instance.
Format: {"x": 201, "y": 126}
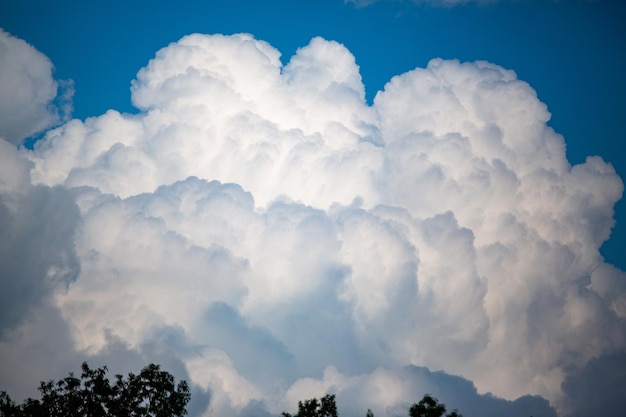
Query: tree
{"x": 152, "y": 393}
{"x": 325, "y": 407}
{"x": 430, "y": 407}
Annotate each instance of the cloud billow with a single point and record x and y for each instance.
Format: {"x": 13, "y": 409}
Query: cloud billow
{"x": 271, "y": 215}
{"x": 31, "y": 100}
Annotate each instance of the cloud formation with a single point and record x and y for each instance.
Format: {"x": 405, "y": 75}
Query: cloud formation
{"x": 37, "y": 244}
{"x": 30, "y": 101}
{"x": 276, "y": 238}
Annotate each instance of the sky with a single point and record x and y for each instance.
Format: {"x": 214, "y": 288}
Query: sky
{"x": 278, "y": 200}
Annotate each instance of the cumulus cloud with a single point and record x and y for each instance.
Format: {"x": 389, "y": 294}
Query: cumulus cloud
{"x": 37, "y": 241}
{"x": 387, "y": 392}
{"x": 273, "y": 237}
{"x": 598, "y": 387}
{"x": 37, "y": 259}
{"x": 31, "y": 99}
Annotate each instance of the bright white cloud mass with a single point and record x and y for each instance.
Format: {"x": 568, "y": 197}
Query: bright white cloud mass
{"x": 31, "y": 99}
{"x": 265, "y": 233}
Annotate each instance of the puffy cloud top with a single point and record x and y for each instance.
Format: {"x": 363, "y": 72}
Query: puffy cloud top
{"x": 28, "y": 90}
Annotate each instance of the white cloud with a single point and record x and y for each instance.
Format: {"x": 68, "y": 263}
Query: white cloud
{"x": 37, "y": 259}
{"x": 390, "y": 392}
{"x": 37, "y": 240}
{"x": 27, "y": 102}
{"x": 301, "y": 241}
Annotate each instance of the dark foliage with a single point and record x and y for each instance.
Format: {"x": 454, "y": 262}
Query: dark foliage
{"x": 325, "y": 407}
{"x": 152, "y": 393}
{"x": 430, "y": 407}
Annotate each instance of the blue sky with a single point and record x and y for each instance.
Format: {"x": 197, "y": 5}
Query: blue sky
{"x": 270, "y": 231}
{"x": 570, "y": 52}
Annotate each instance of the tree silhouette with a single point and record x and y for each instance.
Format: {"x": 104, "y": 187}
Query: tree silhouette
{"x": 430, "y": 407}
{"x": 152, "y": 393}
{"x": 325, "y": 407}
